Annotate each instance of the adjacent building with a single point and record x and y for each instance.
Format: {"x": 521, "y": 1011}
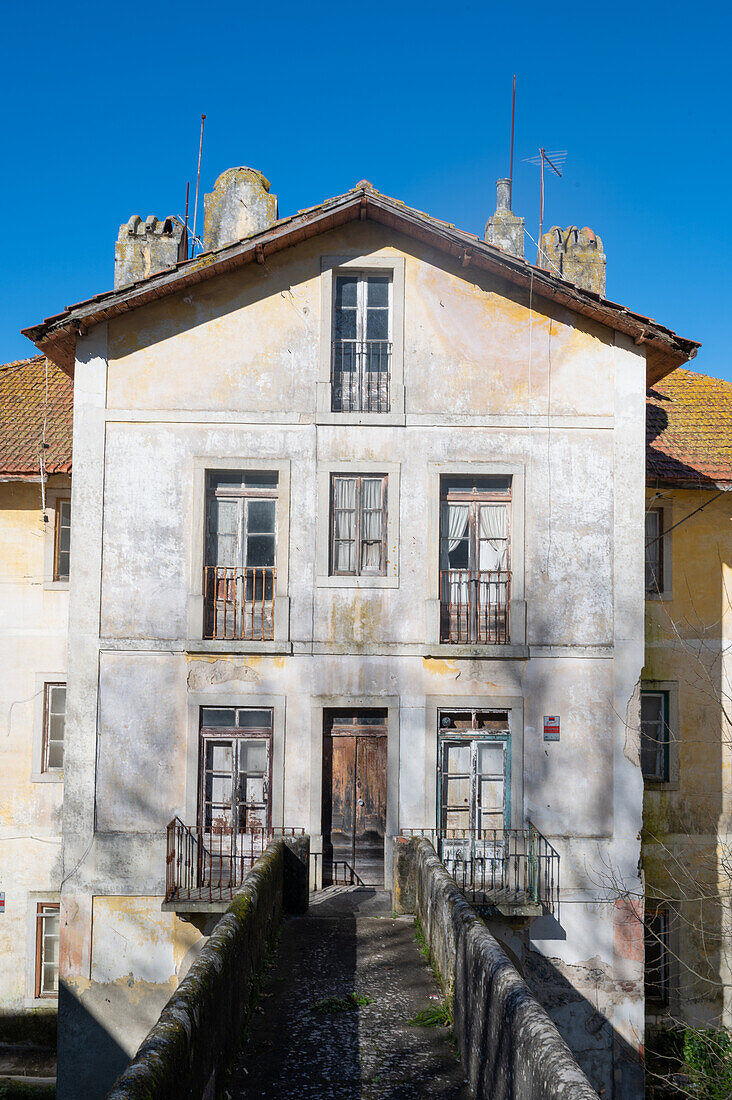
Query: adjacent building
{"x": 35, "y": 526}
{"x": 686, "y": 747}
{"x": 357, "y": 549}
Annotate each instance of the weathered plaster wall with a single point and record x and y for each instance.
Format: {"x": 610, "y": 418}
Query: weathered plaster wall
{"x": 229, "y": 373}
{"x": 33, "y": 623}
{"x": 688, "y": 821}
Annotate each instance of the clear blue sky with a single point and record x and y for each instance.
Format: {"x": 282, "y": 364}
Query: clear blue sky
{"x": 102, "y": 106}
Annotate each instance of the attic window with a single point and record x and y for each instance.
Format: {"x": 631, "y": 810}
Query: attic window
{"x": 361, "y": 350}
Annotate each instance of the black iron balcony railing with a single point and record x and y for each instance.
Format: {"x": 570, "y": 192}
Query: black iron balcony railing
{"x": 210, "y": 864}
{"x": 507, "y": 869}
{"x": 474, "y": 606}
{"x": 360, "y": 371}
{"x": 239, "y": 603}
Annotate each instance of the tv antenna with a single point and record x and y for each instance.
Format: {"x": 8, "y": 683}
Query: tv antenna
{"x": 198, "y": 180}
{"x": 555, "y": 160}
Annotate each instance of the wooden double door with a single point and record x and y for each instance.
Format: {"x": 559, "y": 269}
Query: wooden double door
{"x": 354, "y": 797}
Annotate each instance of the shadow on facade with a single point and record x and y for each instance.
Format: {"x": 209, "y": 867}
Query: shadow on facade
{"x": 90, "y": 1060}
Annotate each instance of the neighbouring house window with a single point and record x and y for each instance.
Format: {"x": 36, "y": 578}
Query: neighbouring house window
{"x": 358, "y": 525}
{"x": 361, "y": 351}
{"x": 475, "y": 559}
{"x": 654, "y": 735}
{"x": 47, "y": 929}
{"x": 54, "y": 724}
{"x": 240, "y": 567}
{"x": 656, "y": 937}
{"x": 654, "y": 551}
{"x": 62, "y": 540}
{"x": 236, "y": 770}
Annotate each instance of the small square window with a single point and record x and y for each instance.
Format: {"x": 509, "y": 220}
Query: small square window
{"x": 656, "y": 935}
{"x": 655, "y": 735}
{"x": 47, "y": 940}
{"x": 62, "y": 540}
{"x": 54, "y": 724}
{"x": 654, "y": 551}
{"x": 358, "y": 525}
{"x": 362, "y": 343}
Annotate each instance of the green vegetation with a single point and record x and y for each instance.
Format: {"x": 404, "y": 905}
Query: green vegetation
{"x": 435, "y": 1016}
{"x": 19, "y": 1089}
{"x": 690, "y": 1062}
{"x": 330, "y": 1005}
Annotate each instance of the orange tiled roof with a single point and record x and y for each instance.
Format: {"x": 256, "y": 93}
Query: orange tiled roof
{"x": 24, "y": 402}
{"x": 689, "y": 428}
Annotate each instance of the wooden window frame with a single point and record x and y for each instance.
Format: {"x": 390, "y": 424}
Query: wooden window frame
{"x": 358, "y": 536}
{"x": 43, "y": 908}
{"x": 60, "y": 503}
{"x": 47, "y": 689}
{"x": 234, "y": 733}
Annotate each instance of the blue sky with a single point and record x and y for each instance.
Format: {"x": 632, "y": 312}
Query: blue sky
{"x": 102, "y": 109}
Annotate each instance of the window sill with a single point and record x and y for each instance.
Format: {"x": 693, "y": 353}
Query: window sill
{"x": 492, "y": 652}
{"x": 661, "y": 784}
{"x": 48, "y": 777}
{"x": 199, "y": 645}
{"x": 658, "y": 597}
{"x": 55, "y": 586}
{"x": 357, "y": 582}
{"x": 394, "y": 417}
{"x": 47, "y": 1001}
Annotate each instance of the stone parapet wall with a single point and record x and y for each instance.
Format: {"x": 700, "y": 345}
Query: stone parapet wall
{"x": 200, "y": 1028}
{"x": 508, "y": 1045}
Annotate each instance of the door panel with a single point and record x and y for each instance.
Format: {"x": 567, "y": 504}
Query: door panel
{"x": 370, "y": 808}
{"x": 355, "y": 806}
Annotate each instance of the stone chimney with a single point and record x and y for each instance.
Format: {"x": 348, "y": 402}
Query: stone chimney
{"x": 145, "y": 247}
{"x": 239, "y": 206}
{"x": 576, "y": 255}
{"x": 504, "y": 229}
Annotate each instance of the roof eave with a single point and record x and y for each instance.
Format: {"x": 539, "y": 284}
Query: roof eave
{"x": 56, "y": 336}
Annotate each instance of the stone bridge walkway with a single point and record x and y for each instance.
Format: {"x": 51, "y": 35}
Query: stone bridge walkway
{"x": 348, "y": 943}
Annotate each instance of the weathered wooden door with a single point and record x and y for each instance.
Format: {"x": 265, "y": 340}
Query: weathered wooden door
{"x": 355, "y": 798}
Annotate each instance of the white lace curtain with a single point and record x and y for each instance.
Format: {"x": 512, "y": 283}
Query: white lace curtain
{"x": 371, "y": 524}
{"x": 493, "y": 553}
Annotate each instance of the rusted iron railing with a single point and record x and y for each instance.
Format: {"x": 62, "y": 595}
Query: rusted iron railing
{"x": 511, "y": 868}
{"x": 360, "y": 375}
{"x": 474, "y": 606}
{"x": 239, "y": 602}
{"x": 210, "y": 864}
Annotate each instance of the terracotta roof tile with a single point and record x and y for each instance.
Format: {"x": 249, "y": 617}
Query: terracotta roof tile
{"x": 689, "y": 428}
{"x": 23, "y": 405}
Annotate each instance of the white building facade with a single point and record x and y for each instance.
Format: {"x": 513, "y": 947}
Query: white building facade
{"x": 358, "y": 506}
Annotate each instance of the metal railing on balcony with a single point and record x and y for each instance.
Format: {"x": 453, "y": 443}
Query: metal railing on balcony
{"x": 239, "y": 602}
{"x": 360, "y": 372}
{"x": 508, "y": 869}
{"x": 474, "y": 606}
{"x": 210, "y": 864}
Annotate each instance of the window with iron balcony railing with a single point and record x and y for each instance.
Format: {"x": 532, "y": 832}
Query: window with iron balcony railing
{"x": 475, "y": 575}
{"x": 239, "y": 574}
{"x": 361, "y": 348}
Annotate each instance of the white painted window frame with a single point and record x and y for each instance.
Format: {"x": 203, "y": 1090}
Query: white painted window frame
{"x": 325, "y": 471}
{"x": 38, "y": 775}
{"x": 517, "y": 647}
{"x": 281, "y": 641}
{"x": 377, "y": 263}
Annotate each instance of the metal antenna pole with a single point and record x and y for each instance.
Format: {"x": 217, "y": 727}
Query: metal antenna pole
{"x": 542, "y": 154}
{"x": 513, "y": 120}
{"x": 185, "y": 223}
{"x": 198, "y": 180}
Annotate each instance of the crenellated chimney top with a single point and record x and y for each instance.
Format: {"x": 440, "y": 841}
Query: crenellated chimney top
{"x": 145, "y": 248}
{"x": 505, "y": 230}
